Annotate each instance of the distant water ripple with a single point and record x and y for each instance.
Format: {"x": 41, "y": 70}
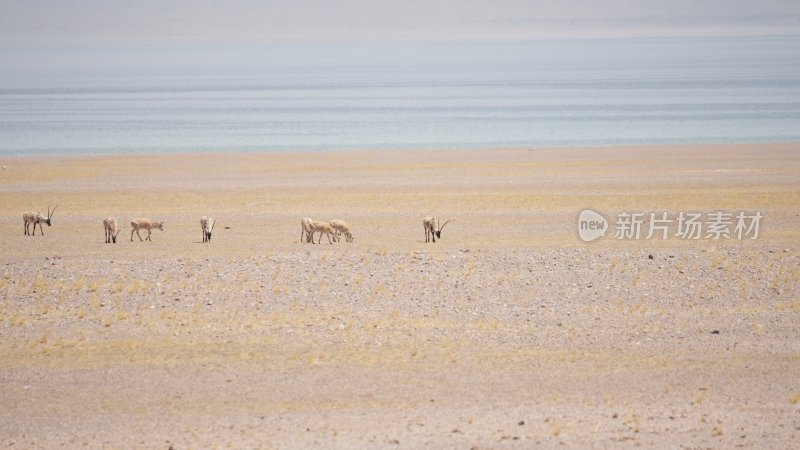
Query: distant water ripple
{"x": 400, "y": 95}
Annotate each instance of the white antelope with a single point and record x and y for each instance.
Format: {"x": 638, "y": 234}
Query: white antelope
{"x": 145, "y": 224}
{"x": 432, "y": 228}
{"x": 36, "y": 217}
{"x": 323, "y": 228}
{"x": 306, "y": 229}
{"x": 341, "y": 227}
{"x": 112, "y": 229}
{"x": 207, "y": 224}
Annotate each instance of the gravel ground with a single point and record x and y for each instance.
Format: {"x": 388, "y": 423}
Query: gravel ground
{"x": 444, "y": 349}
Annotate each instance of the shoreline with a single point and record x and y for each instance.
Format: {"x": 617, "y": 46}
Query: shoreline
{"x": 418, "y": 150}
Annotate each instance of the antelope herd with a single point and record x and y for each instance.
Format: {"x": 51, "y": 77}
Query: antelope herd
{"x": 332, "y": 230}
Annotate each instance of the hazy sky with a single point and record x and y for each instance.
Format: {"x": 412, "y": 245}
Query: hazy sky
{"x": 173, "y": 21}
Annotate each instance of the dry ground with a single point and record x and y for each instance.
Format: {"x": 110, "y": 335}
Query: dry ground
{"x": 509, "y": 332}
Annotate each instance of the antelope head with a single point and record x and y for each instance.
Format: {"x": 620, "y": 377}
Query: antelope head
{"x": 439, "y": 231}
{"x": 50, "y": 214}
{"x": 208, "y": 232}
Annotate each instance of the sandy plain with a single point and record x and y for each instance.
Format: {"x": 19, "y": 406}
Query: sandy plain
{"x": 509, "y": 332}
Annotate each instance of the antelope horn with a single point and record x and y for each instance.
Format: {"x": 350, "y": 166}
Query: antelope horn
{"x": 213, "y": 224}
{"x": 441, "y": 227}
{"x": 50, "y": 213}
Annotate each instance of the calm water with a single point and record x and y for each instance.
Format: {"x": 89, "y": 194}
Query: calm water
{"x": 437, "y": 95}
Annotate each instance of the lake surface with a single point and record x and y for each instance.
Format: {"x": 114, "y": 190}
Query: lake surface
{"x": 399, "y": 95}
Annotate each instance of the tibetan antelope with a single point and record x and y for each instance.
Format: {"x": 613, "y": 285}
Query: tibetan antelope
{"x": 112, "y": 229}
{"x": 145, "y": 224}
{"x": 37, "y": 217}
{"x": 432, "y": 228}
{"x": 306, "y": 229}
{"x": 341, "y": 228}
{"x": 207, "y": 224}
{"x": 323, "y": 228}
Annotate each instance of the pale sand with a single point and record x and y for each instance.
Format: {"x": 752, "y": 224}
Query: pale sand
{"x": 509, "y": 332}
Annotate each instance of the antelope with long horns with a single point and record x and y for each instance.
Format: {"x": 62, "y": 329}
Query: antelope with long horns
{"x": 207, "y": 224}
{"x": 432, "y": 228}
{"x": 36, "y": 217}
{"x": 112, "y": 229}
{"x": 306, "y": 230}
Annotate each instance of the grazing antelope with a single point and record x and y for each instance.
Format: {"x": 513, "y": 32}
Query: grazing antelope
{"x": 37, "y": 217}
{"x": 207, "y": 224}
{"x": 306, "y": 229}
{"x": 323, "y": 228}
{"x": 341, "y": 228}
{"x": 146, "y": 224}
{"x": 432, "y": 228}
{"x": 112, "y": 229}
